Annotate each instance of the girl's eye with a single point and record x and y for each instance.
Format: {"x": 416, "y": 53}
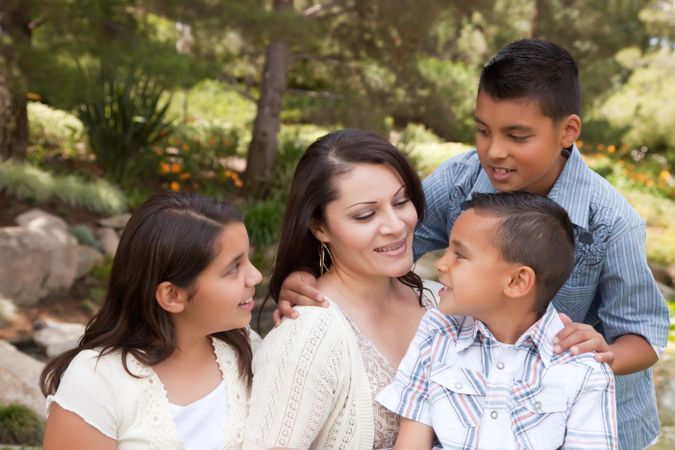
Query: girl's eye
{"x": 235, "y": 268}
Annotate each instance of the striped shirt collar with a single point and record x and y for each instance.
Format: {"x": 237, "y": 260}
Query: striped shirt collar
{"x": 572, "y": 189}
{"x": 539, "y": 335}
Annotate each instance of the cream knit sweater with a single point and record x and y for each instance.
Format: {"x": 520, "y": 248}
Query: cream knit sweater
{"x": 310, "y": 389}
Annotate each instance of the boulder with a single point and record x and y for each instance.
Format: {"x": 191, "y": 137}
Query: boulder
{"x": 43, "y": 256}
{"x": 19, "y": 379}
{"x": 57, "y": 337}
{"x": 109, "y": 240}
{"x": 117, "y": 222}
{"x": 87, "y": 259}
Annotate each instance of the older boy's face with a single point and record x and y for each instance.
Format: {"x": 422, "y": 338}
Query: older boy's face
{"x": 473, "y": 271}
{"x": 518, "y": 146}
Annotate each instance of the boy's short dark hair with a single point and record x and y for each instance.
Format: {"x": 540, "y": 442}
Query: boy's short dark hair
{"x": 535, "y": 231}
{"x": 537, "y": 69}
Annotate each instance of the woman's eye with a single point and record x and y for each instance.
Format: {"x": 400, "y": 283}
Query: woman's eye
{"x": 401, "y": 202}
{"x": 459, "y": 255}
{"x": 363, "y": 217}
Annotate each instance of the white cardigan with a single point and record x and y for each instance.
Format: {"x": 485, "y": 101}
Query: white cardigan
{"x": 310, "y": 388}
{"x": 135, "y": 411}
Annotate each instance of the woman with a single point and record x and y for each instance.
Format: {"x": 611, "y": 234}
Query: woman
{"x": 350, "y": 218}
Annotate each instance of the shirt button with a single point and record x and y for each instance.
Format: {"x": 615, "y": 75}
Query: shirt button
{"x": 500, "y": 365}
{"x": 494, "y": 414}
{"x": 537, "y": 405}
{"x": 458, "y": 385}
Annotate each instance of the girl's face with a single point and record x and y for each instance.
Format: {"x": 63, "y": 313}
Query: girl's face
{"x": 369, "y": 227}
{"x": 223, "y": 297}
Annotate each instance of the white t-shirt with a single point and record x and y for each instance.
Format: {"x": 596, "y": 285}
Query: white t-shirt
{"x": 199, "y": 423}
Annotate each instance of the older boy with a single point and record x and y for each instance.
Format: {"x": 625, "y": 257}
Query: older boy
{"x": 527, "y": 121}
{"x": 481, "y": 372}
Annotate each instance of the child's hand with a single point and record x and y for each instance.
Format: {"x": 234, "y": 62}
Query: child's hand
{"x": 581, "y": 338}
{"x": 299, "y": 288}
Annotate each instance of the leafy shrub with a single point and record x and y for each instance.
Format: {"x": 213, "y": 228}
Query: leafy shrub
{"x": 19, "y": 425}
{"x": 53, "y": 129}
{"x": 27, "y": 182}
{"x": 263, "y": 221}
{"x": 212, "y": 100}
{"x": 123, "y": 121}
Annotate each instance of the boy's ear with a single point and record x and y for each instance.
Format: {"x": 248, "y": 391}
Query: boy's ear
{"x": 521, "y": 282}
{"x": 170, "y": 297}
{"x": 571, "y": 129}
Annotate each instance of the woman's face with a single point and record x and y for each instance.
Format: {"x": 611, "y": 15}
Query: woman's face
{"x": 369, "y": 228}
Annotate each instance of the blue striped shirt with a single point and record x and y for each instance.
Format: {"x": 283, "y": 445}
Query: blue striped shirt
{"x": 611, "y": 287}
{"x": 477, "y": 393}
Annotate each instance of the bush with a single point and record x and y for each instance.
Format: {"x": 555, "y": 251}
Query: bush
{"x": 27, "y": 182}
{"x": 123, "y": 121}
{"x": 53, "y": 130}
{"x": 20, "y": 426}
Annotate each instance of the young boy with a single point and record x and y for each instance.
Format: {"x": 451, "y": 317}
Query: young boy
{"x": 481, "y": 372}
{"x": 527, "y": 121}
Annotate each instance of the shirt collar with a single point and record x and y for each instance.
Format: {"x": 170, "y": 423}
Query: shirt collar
{"x": 540, "y": 335}
{"x": 571, "y": 190}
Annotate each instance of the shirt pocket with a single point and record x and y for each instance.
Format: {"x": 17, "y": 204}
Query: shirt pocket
{"x": 457, "y": 398}
{"x": 539, "y": 419}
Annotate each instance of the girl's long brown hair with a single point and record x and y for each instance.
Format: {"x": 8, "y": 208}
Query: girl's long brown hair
{"x": 171, "y": 237}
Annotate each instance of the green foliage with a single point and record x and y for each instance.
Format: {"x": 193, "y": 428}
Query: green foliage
{"x": 53, "y": 130}
{"x": 27, "y": 182}
{"x": 19, "y": 425}
{"x": 123, "y": 120}
{"x": 263, "y": 221}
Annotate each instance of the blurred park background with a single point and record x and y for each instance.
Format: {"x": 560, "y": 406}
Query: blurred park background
{"x": 105, "y": 102}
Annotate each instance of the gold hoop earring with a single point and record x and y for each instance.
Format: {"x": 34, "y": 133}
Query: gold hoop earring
{"x": 323, "y": 249}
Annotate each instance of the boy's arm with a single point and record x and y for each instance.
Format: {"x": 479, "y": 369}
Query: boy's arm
{"x": 432, "y": 231}
{"x": 591, "y": 423}
{"x": 632, "y": 312}
{"x": 414, "y": 436}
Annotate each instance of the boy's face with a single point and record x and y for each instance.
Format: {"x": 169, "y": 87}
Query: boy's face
{"x": 473, "y": 271}
{"x": 518, "y": 146}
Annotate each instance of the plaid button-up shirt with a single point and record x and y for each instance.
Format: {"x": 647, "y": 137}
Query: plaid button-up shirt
{"x": 477, "y": 393}
{"x": 611, "y": 287}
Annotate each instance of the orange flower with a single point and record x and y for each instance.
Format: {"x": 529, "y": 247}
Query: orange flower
{"x": 174, "y": 186}
{"x": 186, "y": 147}
{"x": 611, "y": 148}
{"x": 185, "y": 176}
{"x": 175, "y": 167}
{"x": 164, "y": 167}
{"x": 580, "y": 144}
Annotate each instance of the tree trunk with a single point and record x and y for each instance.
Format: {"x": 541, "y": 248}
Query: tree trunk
{"x": 14, "y": 24}
{"x": 263, "y": 148}
{"x": 538, "y": 17}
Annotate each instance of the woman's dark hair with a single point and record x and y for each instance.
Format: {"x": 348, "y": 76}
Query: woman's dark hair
{"x": 171, "y": 237}
{"x": 313, "y": 187}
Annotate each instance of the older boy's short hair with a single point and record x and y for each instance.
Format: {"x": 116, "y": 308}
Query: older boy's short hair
{"x": 532, "y": 68}
{"x": 535, "y": 231}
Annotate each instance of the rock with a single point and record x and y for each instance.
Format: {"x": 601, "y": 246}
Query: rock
{"x": 19, "y": 378}
{"x": 87, "y": 259}
{"x": 117, "y": 222}
{"x": 36, "y": 219}
{"x": 43, "y": 257}
{"x": 57, "y": 337}
{"x": 7, "y": 311}
{"x": 661, "y": 274}
{"x": 85, "y": 236}
{"x": 109, "y": 240}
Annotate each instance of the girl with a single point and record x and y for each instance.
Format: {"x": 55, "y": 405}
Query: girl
{"x": 166, "y": 362}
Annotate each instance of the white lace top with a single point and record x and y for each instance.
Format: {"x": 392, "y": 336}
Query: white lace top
{"x": 135, "y": 411}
